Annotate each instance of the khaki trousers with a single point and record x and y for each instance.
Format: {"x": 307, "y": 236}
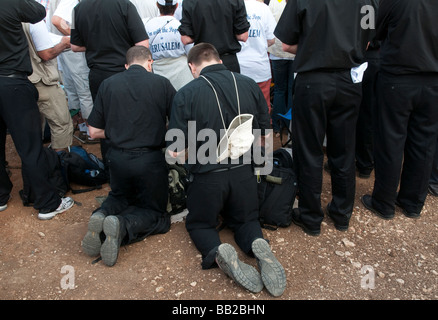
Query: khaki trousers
{"x": 53, "y": 106}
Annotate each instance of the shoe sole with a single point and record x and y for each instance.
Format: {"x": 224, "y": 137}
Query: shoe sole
{"x": 50, "y": 215}
{"x": 109, "y": 251}
{"x": 91, "y": 243}
{"x": 377, "y": 213}
{"x": 273, "y": 274}
{"x": 243, "y": 274}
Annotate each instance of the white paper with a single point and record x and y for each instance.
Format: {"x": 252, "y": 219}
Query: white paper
{"x": 357, "y": 72}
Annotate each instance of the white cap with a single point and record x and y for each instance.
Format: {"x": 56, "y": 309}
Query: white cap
{"x": 167, "y": 2}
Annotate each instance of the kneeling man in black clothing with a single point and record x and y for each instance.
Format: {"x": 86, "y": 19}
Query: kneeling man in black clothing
{"x": 211, "y": 101}
{"x": 130, "y": 111}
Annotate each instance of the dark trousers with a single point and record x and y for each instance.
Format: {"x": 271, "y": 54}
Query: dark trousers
{"x": 232, "y": 194}
{"x": 95, "y": 78}
{"x": 364, "y": 133}
{"x": 405, "y": 138}
{"x": 139, "y": 179}
{"x": 231, "y": 62}
{"x": 433, "y": 182}
{"x": 325, "y": 103}
{"x": 283, "y": 77}
{"x": 20, "y": 115}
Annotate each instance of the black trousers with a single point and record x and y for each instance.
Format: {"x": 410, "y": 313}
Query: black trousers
{"x": 139, "y": 190}
{"x": 433, "y": 182}
{"x": 232, "y": 194}
{"x": 325, "y": 103}
{"x": 20, "y": 115}
{"x": 364, "y": 133}
{"x": 405, "y": 138}
{"x": 95, "y": 78}
{"x": 231, "y": 62}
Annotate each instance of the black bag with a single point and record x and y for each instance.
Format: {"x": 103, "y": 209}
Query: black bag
{"x": 83, "y": 168}
{"x": 178, "y": 176}
{"x": 277, "y": 192}
{"x": 56, "y": 178}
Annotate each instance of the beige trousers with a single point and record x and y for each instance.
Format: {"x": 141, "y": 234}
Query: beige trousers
{"x": 53, "y": 106}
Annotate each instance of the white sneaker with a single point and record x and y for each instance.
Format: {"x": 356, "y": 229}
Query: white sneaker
{"x": 66, "y": 203}
{"x": 3, "y": 207}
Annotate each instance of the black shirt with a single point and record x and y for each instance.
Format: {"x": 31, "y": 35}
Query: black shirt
{"x": 197, "y": 102}
{"x": 107, "y": 28}
{"x": 328, "y": 33}
{"x": 132, "y": 107}
{"x": 14, "y": 50}
{"x": 216, "y": 22}
{"x": 409, "y": 34}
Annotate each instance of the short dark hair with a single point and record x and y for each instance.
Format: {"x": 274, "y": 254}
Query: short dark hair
{"x": 168, "y": 9}
{"x": 203, "y": 52}
{"x": 138, "y": 54}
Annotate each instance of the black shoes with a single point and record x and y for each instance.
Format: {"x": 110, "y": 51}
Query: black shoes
{"x": 296, "y": 219}
{"x": 338, "y": 226}
{"x": 433, "y": 190}
{"x": 367, "y": 201}
{"x": 407, "y": 214}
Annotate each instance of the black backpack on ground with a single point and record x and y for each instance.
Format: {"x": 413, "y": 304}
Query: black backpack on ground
{"x": 277, "y": 192}
{"x": 83, "y": 168}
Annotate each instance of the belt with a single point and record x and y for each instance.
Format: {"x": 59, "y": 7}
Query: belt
{"x": 227, "y": 169}
{"x": 17, "y": 75}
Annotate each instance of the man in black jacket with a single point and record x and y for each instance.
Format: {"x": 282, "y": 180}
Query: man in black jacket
{"x": 19, "y": 110}
{"x": 329, "y": 39}
{"x": 222, "y": 23}
{"x": 407, "y": 114}
{"x": 131, "y": 110}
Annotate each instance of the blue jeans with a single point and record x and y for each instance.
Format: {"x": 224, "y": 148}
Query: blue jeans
{"x": 283, "y": 76}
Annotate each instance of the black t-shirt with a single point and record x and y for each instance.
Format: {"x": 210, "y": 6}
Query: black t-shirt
{"x": 409, "y": 34}
{"x": 133, "y": 107}
{"x": 14, "y": 50}
{"x": 197, "y": 102}
{"x": 107, "y": 28}
{"x": 216, "y": 22}
{"x": 329, "y": 34}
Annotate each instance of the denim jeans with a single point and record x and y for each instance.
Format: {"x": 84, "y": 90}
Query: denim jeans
{"x": 283, "y": 77}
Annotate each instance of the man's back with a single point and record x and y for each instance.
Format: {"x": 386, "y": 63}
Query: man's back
{"x": 330, "y": 30}
{"x": 14, "y": 56}
{"x": 215, "y": 22}
{"x": 410, "y": 36}
{"x": 135, "y": 104}
{"x": 107, "y": 28}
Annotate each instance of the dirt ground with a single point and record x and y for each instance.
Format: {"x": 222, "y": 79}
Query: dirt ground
{"x": 373, "y": 260}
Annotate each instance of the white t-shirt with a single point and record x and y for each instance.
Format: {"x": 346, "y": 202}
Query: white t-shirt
{"x": 146, "y": 8}
{"x": 253, "y": 57}
{"x": 178, "y": 11}
{"x": 164, "y": 37}
{"x": 41, "y": 37}
{"x": 65, "y": 9}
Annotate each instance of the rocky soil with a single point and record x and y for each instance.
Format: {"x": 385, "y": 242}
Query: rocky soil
{"x": 373, "y": 260}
